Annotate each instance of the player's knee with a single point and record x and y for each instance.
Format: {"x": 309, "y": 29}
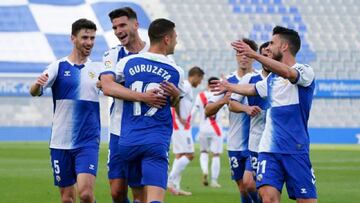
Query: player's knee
{"x": 86, "y": 196}
{"x": 119, "y": 195}
{"x": 267, "y": 196}
{"x": 67, "y": 200}
{"x": 190, "y": 156}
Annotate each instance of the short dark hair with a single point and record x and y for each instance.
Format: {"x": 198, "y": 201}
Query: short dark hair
{"x": 124, "y": 11}
{"x": 264, "y": 45}
{"x": 251, "y": 43}
{"x": 196, "y": 71}
{"x": 291, "y": 36}
{"x": 212, "y": 79}
{"x": 82, "y": 23}
{"x": 159, "y": 28}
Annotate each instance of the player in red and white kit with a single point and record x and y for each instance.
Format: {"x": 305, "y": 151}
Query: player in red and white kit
{"x": 183, "y": 144}
{"x": 210, "y": 137}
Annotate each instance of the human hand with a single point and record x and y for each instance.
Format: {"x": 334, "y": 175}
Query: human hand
{"x": 42, "y": 79}
{"x": 243, "y": 49}
{"x": 253, "y": 111}
{"x": 169, "y": 89}
{"x": 154, "y": 98}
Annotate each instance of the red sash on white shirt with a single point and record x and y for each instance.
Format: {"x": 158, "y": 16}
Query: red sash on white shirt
{"x": 211, "y": 118}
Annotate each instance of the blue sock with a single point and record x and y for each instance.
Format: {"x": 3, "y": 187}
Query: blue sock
{"x": 254, "y": 196}
{"x": 135, "y": 201}
{"x": 245, "y": 199}
{"x": 155, "y": 202}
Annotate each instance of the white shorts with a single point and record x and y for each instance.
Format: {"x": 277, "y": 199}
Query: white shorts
{"x": 210, "y": 142}
{"x": 182, "y": 142}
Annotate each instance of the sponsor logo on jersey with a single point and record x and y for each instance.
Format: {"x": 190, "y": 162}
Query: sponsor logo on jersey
{"x": 92, "y": 75}
{"x": 92, "y": 167}
{"x": 67, "y": 73}
{"x": 108, "y": 64}
{"x": 303, "y": 191}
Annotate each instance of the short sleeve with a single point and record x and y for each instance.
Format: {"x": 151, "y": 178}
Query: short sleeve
{"x": 305, "y": 76}
{"x": 52, "y": 72}
{"x": 261, "y": 87}
{"x": 109, "y": 63}
{"x": 119, "y": 70}
{"x": 236, "y": 97}
{"x": 181, "y": 84}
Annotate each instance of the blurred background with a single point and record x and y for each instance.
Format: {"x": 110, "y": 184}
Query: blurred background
{"x": 34, "y": 33}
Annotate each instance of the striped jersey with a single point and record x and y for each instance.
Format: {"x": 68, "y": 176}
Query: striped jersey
{"x": 76, "y": 120}
{"x": 286, "y": 128}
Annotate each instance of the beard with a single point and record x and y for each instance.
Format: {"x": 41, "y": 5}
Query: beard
{"x": 277, "y": 56}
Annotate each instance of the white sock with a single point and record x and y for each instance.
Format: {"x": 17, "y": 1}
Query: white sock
{"x": 204, "y": 162}
{"x": 215, "y": 168}
{"x": 177, "y": 169}
{"x": 173, "y": 169}
{"x": 177, "y": 182}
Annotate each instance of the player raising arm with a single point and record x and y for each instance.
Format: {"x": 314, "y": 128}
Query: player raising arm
{"x": 284, "y": 146}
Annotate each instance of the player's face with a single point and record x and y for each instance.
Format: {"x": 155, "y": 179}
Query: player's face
{"x": 172, "y": 43}
{"x": 274, "y": 48}
{"x": 125, "y": 29}
{"x": 84, "y": 41}
{"x": 196, "y": 80}
{"x": 244, "y": 62}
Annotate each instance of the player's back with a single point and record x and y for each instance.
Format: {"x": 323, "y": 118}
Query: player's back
{"x": 142, "y": 124}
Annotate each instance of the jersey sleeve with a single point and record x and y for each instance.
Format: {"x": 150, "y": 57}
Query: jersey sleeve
{"x": 119, "y": 70}
{"x": 109, "y": 63}
{"x": 52, "y": 72}
{"x": 305, "y": 76}
{"x": 261, "y": 87}
{"x": 181, "y": 85}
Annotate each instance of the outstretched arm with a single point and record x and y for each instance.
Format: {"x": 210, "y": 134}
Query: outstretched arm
{"x": 213, "y": 107}
{"x": 237, "y": 107}
{"x": 223, "y": 86}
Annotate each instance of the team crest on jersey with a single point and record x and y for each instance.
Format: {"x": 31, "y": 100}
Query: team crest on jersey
{"x": 92, "y": 75}
{"x": 108, "y": 64}
{"x": 67, "y": 73}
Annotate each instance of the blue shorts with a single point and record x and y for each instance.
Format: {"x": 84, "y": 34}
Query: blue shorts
{"x": 252, "y": 163}
{"x": 117, "y": 167}
{"x": 67, "y": 164}
{"x": 237, "y": 163}
{"x": 293, "y": 169}
{"x": 150, "y": 163}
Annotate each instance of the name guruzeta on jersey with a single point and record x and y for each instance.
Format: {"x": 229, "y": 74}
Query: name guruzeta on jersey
{"x": 150, "y": 69}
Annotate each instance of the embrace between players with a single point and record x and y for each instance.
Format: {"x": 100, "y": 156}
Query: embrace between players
{"x": 145, "y": 82}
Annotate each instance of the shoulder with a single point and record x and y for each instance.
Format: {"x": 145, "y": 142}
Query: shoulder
{"x": 55, "y": 64}
{"x": 113, "y": 50}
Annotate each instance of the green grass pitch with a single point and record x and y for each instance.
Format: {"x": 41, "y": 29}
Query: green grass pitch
{"x": 25, "y": 176}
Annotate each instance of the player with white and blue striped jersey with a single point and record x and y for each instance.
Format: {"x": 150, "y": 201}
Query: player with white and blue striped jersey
{"x": 75, "y": 137}
{"x": 256, "y": 109}
{"x": 284, "y": 146}
{"x": 125, "y": 25}
{"x": 146, "y": 130}
{"x": 239, "y": 124}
